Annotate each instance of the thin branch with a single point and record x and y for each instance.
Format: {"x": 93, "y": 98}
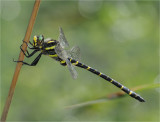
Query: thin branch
{"x": 21, "y": 58}
{"x": 112, "y": 96}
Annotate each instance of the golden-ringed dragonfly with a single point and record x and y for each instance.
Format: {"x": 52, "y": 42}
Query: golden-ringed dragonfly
{"x": 56, "y": 49}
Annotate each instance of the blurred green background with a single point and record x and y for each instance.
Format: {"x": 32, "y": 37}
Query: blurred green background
{"x": 119, "y": 39}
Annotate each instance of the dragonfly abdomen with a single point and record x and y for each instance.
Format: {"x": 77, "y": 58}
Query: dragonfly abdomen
{"x": 125, "y": 89}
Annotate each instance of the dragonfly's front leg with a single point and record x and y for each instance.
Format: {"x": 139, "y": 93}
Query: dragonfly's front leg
{"x": 28, "y": 55}
{"x": 29, "y": 46}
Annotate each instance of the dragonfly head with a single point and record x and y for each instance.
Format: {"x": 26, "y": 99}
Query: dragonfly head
{"x": 38, "y": 40}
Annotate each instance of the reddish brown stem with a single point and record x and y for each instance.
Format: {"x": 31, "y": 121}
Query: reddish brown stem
{"x": 21, "y": 58}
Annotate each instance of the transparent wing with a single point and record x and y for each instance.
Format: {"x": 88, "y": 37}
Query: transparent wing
{"x": 61, "y": 52}
{"x": 62, "y": 39}
{"x": 64, "y": 54}
{"x": 75, "y": 53}
{"x": 71, "y": 69}
{"x": 48, "y": 39}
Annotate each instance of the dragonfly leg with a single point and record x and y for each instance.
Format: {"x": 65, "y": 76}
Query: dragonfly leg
{"x": 34, "y": 63}
{"x": 29, "y": 55}
{"x": 30, "y": 43}
{"x": 27, "y": 44}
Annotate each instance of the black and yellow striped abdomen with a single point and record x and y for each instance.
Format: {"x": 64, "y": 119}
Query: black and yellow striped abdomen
{"x": 107, "y": 78}
{"x": 49, "y": 49}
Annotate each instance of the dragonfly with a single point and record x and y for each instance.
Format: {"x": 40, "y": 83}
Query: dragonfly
{"x": 58, "y": 50}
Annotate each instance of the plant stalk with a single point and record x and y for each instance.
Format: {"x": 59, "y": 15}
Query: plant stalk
{"x": 21, "y": 58}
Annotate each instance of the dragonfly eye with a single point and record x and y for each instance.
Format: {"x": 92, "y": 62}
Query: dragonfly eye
{"x": 41, "y": 38}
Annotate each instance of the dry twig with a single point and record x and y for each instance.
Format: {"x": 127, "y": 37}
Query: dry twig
{"x": 21, "y": 58}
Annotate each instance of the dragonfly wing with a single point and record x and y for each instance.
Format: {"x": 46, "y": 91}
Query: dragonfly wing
{"x": 61, "y": 52}
{"x": 64, "y": 54}
{"x": 48, "y": 39}
{"x": 71, "y": 69}
{"x": 62, "y": 39}
{"x": 75, "y": 53}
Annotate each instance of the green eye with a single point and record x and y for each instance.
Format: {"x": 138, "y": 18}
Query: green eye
{"x": 40, "y": 37}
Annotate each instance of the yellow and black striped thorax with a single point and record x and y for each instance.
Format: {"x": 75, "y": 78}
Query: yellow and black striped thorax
{"x": 48, "y": 48}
